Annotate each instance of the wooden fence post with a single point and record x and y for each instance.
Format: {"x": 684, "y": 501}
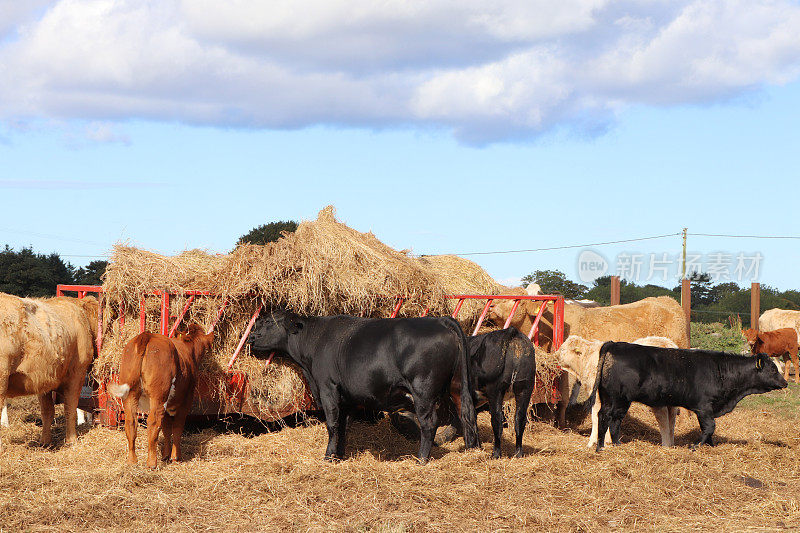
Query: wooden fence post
{"x": 686, "y": 303}
{"x": 615, "y": 290}
{"x": 755, "y": 304}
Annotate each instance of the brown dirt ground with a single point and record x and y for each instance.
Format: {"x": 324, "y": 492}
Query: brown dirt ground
{"x": 749, "y": 481}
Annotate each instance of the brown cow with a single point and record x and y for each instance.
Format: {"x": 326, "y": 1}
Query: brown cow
{"x": 46, "y": 345}
{"x": 776, "y": 343}
{"x": 166, "y": 371}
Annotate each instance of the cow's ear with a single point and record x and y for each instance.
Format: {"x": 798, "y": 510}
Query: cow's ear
{"x": 292, "y": 323}
{"x": 759, "y": 362}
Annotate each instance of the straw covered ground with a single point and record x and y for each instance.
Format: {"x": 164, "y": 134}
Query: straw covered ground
{"x": 749, "y": 481}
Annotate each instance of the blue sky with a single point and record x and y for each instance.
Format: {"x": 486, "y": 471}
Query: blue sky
{"x": 491, "y": 141}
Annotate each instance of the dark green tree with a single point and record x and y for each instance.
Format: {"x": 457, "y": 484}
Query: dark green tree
{"x": 92, "y": 274}
{"x": 700, "y": 289}
{"x": 556, "y": 282}
{"x": 26, "y": 273}
{"x": 267, "y": 232}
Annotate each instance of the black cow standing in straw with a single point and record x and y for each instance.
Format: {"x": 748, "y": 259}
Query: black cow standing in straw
{"x": 381, "y": 364}
{"x": 706, "y": 382}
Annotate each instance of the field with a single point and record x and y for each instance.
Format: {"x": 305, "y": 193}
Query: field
{"x": 248, "y": 482}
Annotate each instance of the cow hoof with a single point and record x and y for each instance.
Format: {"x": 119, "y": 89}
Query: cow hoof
{"x": 422, "y": 461}
{"x": 496, "y": 455}
{"x": 518, "y": 454}
{"x": 332, "y": 459}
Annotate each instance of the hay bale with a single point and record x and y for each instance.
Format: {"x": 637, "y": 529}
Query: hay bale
{"x": 323, "y": 268}
{"x": 462, "y": 276}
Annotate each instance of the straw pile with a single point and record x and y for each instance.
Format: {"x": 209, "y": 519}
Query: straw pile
{"x": 323, "y": 268}
{"x": 750, "y": 480}
{"x": 462, "y": 276}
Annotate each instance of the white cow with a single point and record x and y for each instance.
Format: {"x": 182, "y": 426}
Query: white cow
{"x": 579, "y": 358}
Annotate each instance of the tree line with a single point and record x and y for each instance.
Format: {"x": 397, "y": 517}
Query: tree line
{"x": 30, "y": 274}
{"x": 710, "y": 302}
{"x": 26, "y": 273}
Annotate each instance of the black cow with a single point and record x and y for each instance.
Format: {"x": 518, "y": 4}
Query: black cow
{"x": 382, "y": 364}
{"x": 502, "y": 361}
{"x": 708, "y": 383}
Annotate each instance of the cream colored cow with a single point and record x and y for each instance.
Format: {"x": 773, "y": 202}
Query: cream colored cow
{"x": 47, "y": 345}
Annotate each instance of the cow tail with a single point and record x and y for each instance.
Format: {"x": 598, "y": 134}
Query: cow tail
{"x": 469, "y": 418}
{"x": 603, "y": 351}
{"x": 130, "y": 370}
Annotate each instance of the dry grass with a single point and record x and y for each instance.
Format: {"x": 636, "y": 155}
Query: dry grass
{"x": 462, "y": 276}
{"x": 749, "y": 481}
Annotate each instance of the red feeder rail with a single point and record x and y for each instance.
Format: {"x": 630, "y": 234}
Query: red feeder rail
{"x": 236, "y": 397}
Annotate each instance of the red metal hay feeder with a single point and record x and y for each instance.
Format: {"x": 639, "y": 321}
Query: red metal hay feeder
{"x": 236, "y": 396}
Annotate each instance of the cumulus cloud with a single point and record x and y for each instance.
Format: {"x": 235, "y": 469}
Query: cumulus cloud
{"x": 487, "y": 71}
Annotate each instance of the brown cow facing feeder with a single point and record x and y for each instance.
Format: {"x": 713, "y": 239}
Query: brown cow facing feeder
{"x": 780, "y": 342}
{"x": 165, "y": 370}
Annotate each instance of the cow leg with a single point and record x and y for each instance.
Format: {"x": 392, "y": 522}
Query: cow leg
{"x": 496, "y": 409}
{"x": 48, "y": 412}
{"x": 426, "y": 414}
{"x": 662, "y": 416}
{"x": 331, "y": 406}
{"x": 673, "y": 415}
{"x": 707, "y": 427}
{"x": 786, "y": 359}
{"x": 522, "y": 397}
{"x": 617, "y": 414}
{"x": 593, "y": 436}
{"x": 178, "y": 424}
{"x": 72, "y": 393}
{"x": 131, "y": 404}
{"x": 603, "y": 419}
{"x": 4, "y": 416}
{"x": 563, "y": 390}
{"x": 796, "y": 368}
{"x": 341, "y": 428}
{"x": 166, "y": 429}
{"x": 154, "y": 421}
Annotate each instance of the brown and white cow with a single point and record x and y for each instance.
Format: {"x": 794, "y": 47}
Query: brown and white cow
{"x": 165, "y": 370}
{"x": 579, "y": 358}
{"x": 47, "y": 345}
{"x": 780, "y": 342}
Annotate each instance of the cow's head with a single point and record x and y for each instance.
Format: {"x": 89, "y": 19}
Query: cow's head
{"x": 766, "y": 374}
{"x": 751, "y": 335}
{"x": 272, "y": 330}
{"x": 197, "y": 338}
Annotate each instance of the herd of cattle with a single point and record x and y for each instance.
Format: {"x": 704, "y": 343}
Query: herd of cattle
{"x": 425, "y": 366}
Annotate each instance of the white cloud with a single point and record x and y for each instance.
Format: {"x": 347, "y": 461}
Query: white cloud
{"x": 485, "y": 70}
